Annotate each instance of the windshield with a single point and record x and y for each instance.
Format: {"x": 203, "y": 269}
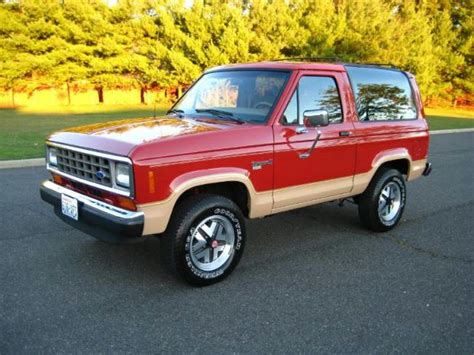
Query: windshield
{"x": 244, "y": 95}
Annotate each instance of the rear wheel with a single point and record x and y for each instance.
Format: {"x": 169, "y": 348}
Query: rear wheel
{"x": 381, "y": 206}
{"x": 205, "y": 239}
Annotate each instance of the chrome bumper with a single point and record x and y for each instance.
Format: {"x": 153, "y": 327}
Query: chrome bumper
{"x": 96, "y": 218}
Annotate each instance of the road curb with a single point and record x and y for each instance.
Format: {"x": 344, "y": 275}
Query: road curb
{"x": 25, "y": 163}
{"x": 459, "y": 130}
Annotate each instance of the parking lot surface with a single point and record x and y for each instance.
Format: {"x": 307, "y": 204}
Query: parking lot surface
{"x": 310, "y": 280}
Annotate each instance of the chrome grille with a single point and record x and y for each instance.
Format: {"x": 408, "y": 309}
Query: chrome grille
{"x": 85, "y": 166}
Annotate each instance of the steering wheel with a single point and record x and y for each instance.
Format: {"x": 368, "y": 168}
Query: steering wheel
{"x": 263, "y": 105}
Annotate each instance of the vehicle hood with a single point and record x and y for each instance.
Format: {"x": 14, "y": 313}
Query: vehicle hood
{"x": 139, "y": 131}
{"x": 152, "y": 139}
{"x": 122, "y": 136}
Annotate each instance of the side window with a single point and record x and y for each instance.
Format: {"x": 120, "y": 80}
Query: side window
{"x": 290, "y": 116}
{"x": 381, "y": 94}
{"x": 314, "y": 93}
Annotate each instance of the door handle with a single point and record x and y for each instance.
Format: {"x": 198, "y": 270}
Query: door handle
{"x": 344, "y": 133}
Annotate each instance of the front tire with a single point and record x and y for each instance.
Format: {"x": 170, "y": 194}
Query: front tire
{"x": 381, "y": 206}
{"x": 205, "y": 239}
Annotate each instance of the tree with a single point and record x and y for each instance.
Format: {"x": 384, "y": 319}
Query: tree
{"x": 166, "y": 44}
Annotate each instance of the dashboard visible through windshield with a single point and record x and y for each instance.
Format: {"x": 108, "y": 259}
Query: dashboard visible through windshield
{"x": 240, "y": 95}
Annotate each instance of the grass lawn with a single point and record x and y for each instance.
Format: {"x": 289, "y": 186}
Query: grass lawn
{"x": 445, "y": 118}
{"x": 23, "y": 131}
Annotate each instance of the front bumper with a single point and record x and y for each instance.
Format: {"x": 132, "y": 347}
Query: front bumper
{"x": 96, "y": 218}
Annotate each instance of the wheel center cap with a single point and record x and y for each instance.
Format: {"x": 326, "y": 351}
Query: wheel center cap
{"x": 214, "y": 244}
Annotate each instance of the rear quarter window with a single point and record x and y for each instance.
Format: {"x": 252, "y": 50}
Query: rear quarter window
{"x": 382, "y": 94}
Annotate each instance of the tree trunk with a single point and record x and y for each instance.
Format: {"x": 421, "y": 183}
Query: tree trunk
{"x": 142, "y": 95}
{"x": 13, "y": 97}
{"x": 68, "y": 93}
{"x": 100, "y": 92}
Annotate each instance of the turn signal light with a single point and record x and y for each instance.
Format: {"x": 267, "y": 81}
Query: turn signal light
{"x": 151, "y": 182}
{"x": 58, "y": 179}
{"x": 125, "y": 203}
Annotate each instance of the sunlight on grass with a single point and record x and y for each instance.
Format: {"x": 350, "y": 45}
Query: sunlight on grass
{"x": 450, "y": 112}
{"x": 82, "y": 109}
{"x": 23, "y": 131}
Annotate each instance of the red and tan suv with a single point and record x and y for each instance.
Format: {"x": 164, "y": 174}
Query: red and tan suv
{"x": 245, "y": 141}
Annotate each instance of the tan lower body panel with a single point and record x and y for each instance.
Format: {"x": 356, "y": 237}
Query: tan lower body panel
{"x": 417, "y": 168}
{"x": 157, "y": 215}
{"x": 310, "y": 194}
{"x": 299, "y": 196}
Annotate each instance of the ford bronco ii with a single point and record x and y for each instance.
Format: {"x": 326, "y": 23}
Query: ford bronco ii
{"x": 244, "y": 141}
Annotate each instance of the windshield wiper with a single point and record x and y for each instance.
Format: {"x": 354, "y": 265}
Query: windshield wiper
{"x": 176, "y": 111}
{"x": 220, "y": 113}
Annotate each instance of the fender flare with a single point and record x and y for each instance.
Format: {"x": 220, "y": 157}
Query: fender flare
{"x": 362, "y": 181}
{"x": 389, "y": 155}
{"x": 157, "y": 215}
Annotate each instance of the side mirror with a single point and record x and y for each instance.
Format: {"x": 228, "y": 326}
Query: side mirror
{"x": 315, "y": 118}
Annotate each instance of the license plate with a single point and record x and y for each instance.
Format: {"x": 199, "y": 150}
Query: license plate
{"x": 69, "y": 207}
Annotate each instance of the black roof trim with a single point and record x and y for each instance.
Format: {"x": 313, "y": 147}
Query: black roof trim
{"x": 337, "y": 60}
{"x": 373, "y": 65}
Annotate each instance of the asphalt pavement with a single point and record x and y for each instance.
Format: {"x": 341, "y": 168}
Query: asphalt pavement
{"x": 311, "y": 280}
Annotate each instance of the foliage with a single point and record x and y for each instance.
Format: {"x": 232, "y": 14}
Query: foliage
{"x": 167, "y": 44}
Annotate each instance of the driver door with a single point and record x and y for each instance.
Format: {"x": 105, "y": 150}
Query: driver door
{"x": 328, "y": 171}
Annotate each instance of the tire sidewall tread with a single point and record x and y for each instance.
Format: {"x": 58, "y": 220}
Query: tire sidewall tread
{"x": 368, "y": 201}
{"x": 177, "y": 238}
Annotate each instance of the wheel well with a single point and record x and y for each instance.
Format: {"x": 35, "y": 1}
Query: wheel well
{"x": 402, "y": 165}
{"x": 233, "y": 190}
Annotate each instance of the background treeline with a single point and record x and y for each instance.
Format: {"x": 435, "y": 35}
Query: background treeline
{"x": 164, "y": 45}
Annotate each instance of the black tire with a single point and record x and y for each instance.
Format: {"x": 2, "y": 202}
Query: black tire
{"x": 369, "y": 213}
{"x": 181, "y": 239}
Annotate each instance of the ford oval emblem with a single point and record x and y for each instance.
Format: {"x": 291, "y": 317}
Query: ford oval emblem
{"x": 100, "y": 175}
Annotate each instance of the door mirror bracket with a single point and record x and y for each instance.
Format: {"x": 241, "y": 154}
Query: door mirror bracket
{"x": 310, "y": 150}
{"x": 314, "y": 118}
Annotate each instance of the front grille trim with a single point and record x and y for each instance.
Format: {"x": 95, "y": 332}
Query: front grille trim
{"x": 85, "y": 166}
{"x": 105, "y": 161}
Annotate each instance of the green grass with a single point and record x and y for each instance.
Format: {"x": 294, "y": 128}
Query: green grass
{"x": 23, "y": 131}
{"x": 445, "y": 118}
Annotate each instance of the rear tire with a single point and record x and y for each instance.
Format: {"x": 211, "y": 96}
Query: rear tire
{"x": 205, "y": 239}
{"x": 381, "y": 206}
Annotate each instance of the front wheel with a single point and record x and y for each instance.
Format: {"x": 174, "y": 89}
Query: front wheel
{"x": 381, "y": 205}
{"x": 205, "y": 239}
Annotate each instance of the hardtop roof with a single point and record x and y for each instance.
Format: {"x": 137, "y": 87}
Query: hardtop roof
{"x": 280, "y": 65}
{"x": 298, "y": 65}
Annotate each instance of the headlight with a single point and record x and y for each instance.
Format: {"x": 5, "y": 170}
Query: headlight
{"x": 52, "y": 156}
{"x": 122, "y": 174}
